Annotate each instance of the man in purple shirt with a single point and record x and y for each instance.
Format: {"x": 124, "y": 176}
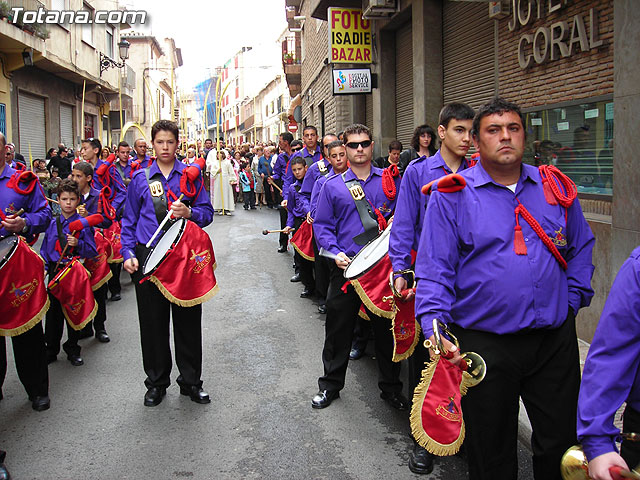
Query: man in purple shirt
{"x": 454, "y": 130}
{"x": 141, "y": 158}
{"x": 29, "y": 348}
{"x": 282, "y": 178}
{"x": 339, "y": 228}
{"x": 311, "y": 151}
{"x": 509, "y": 295}
{"x": 104, "y": 173}
{"x": 140, "y": 221}
{"x": 610, "y": 377}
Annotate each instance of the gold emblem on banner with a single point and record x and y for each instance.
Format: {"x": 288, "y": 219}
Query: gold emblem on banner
{"x": 357, "y": 192}
{"x": 156, "y": 189}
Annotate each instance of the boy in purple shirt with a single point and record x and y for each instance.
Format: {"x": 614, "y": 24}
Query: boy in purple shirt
{"x": 83, "y": 246}
{"x": 298, "y": 208}
{"x": 340, "y": 230}
{"x": 483, "y": 270}
{"x": 610, "y": 377}
{"x": 140, "y": 221}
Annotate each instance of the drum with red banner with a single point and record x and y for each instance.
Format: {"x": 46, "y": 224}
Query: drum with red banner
{"x": 112, "y": 235}
{"x": 72, "y": 287}
{"x": 23, "y": 295}
{"x": 182, "y": 265}
{"x": 98, "y": 266}
{"x": 302, "y": 241}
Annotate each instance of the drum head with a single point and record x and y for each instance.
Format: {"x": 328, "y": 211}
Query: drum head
{"x": 7, "y": 247}
{"x": 370, "y": 254}
{"x": 167, "y": 241}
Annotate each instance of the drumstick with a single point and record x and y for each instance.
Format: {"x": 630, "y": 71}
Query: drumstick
{"x": 327, "y": 253}
{"x": 162, "y": 224}
{"x": 52, "y": 200}
{"x": 274, "y": 185}
{"x": 267, "y": 232}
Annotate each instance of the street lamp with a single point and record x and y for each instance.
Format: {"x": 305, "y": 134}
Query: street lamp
{"x": 107, "y": 63}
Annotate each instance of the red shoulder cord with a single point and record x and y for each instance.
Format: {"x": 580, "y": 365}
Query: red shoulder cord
{"x": 554, "y": 196}
{"x": 104, "y": 203}
{"x": 388, "y": 182}
{"x": 26, "y": 176}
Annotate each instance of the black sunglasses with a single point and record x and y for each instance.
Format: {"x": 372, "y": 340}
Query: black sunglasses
{"x": 355, "y": 145}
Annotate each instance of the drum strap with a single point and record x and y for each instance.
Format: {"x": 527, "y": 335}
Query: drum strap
{"x": 159, "y": 202}
{"x": 120, "y": 171}
{"x": 365, "y": 211}
{"x": 62, "y": 238}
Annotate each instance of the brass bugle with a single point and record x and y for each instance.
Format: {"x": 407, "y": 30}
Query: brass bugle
{"x": 574, "y": 466}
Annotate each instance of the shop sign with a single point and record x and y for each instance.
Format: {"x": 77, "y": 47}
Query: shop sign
{"x": 350, "y": 39}
{"x": 348, "y": 81}
{"x": 557, "y": 40}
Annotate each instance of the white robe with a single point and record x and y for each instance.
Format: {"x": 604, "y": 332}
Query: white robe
{"x": 215, "y": 168}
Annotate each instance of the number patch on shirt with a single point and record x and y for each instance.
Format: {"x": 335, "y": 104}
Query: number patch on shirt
{"x": 156, "y": 189}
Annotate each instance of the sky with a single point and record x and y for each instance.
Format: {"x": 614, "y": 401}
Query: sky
{"x": 209, "y": 32}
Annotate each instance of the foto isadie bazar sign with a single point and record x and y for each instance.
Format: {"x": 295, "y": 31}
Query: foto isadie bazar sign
{"x": 350, "y": 38}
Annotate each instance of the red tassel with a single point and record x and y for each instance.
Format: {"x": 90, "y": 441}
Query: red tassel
{"x": 548, "y": 194}
{"x": 518, "y": 241}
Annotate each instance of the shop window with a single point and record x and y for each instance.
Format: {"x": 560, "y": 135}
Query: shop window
{"x": 578, "y": 139}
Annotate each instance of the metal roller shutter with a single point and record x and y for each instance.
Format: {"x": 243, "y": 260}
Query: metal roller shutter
{"x": 468, "y": 43}
{"x": 368, "y": 111}
{"x": 404, "y": 84}
{"x": 66, "y": 125}
{"x": 32, "y": 126}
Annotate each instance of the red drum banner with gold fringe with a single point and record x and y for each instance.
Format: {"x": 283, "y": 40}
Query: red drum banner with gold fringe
{"x": 112, "y": 235}
{"x": 405, "y": 328}
{"x": 373, "y": 287}
{"x": 23, "y": 296}
{"x": 72, "y": 287}
{"x": 302, "y": 241}
{"x": 98, "y": 266}
{"x": 186, "y": 276}
{"x": 436, "y": 415}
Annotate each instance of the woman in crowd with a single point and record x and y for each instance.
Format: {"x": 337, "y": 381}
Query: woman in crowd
{"x": 223, "y": 179}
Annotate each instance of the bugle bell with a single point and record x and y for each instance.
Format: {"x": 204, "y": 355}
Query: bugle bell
{"x": 574, "y": 466}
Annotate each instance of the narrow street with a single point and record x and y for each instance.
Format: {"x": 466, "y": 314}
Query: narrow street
{"x": 262, "y": 347}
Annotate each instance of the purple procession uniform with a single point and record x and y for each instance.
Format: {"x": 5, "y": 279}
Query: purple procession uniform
{"x": 315, "y": 193}
{"x": 516, "y": 311}
{"x": 317, "y": 170}
{"x": 611, "y": 371}
{"x": 412, "y": 206}
{"x": 118, "y": 190}
{"x": 298, "y": 206}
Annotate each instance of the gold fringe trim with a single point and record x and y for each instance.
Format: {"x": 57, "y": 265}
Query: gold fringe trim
{"x": 417, "y": 430}
{"x": 302, "y": 254}
{"x": 111, "y": 260}
{"x": 363, "y": 315}
{"x": 184, "y": 303}
{"x": 399, "y": 357}
{"x": 102, "y": 282}
{"x": 14, "y": 332}
{"x": 368, "y": 303}
{"x": 91, "y": 316}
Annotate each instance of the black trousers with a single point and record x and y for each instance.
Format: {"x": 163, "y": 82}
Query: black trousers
{"x": 284, "y": 238}
{"x": 30, "y": 354}
{"x": 304, "y": 267}
{"x": 542, "y": 367}
{"x": 154, "y": 312}
{"x": 249, "y": 199}
{"x": 54, "y": 327}
{"x": 321, "y": 269}
{"x": 342, "y": 311}
{"x": 630, "y": 451}
{"x": 114, "y": 282}
{"x": 268, "y": 193}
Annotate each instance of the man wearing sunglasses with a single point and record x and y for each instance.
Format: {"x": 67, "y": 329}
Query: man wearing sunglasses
{"x": 349, "y": 213}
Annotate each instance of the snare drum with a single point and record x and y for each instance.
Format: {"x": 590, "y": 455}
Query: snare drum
{"x": 182, "y": 263}
{"x": 23, "y": 296}
{"x": 369, "y": 271}
{"x": 72, "y": 287}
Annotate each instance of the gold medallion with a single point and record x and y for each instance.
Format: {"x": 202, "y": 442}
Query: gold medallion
{"x": 156, "y": 189}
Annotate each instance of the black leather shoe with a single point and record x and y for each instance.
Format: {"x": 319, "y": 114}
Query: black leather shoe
{"x": 322, "y": 309}
{"x": 282, "y": 249}
{"x": 324, "y": 398}
{"x": 306, "y": 293}
{"x": 396, "y": 400}
{"x": 196, "y": 394}
{"x": 102, "y": 336}
{"x": 296, "y": 278}
{"x": 76, "y": 360}
{"x": 154, "y": 396}
{"x": 4, "y": 473}
{"x": 40, "y": 404}
{"x": 420, "y": 461}
{"x": 115, "y": 297}
{"x": 356, "y": 353}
